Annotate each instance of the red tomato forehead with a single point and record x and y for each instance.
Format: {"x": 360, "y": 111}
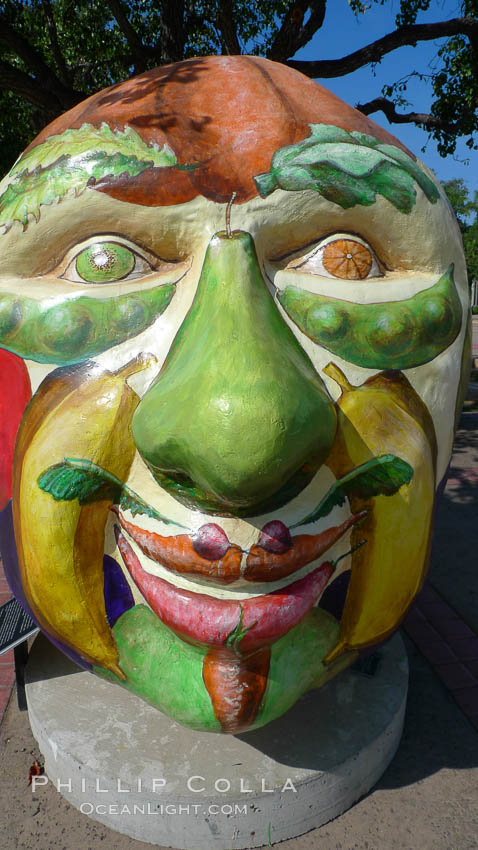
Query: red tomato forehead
{"x": 224, "y": 115}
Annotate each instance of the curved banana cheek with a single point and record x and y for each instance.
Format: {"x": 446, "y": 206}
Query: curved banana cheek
{"x": 238, "y": 419}
{"x": 389, "y": 335}
{"x": 77, "y": 328}
{"x": 384, "y": 415}
{"x": 61, "y": 557}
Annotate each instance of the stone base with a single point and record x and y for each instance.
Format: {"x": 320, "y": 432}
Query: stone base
{"x": 136, "y": 771}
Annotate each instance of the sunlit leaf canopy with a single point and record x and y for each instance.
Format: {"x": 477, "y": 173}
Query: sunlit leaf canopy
{"x": 465, "y": 206}
{"x": 54, "y": 53}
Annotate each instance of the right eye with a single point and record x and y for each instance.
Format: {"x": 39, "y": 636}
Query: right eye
{"x": 106, "y": 262}
{"x": 344, "y": 256}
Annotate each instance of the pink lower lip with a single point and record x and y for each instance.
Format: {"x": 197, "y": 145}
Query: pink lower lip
{"x": 205, "y": 619}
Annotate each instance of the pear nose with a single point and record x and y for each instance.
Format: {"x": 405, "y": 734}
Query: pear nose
{"x": 238, "y": 420}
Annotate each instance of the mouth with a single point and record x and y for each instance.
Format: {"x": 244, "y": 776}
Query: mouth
{"x": 209, "y": 554}
{"x": 234, "y": 622}
{"x": 241, "y": 627}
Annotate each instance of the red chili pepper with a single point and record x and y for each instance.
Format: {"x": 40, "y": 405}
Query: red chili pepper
{"x": 244, "y": 625}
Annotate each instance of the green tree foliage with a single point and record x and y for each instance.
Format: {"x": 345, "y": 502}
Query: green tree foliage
{"x": 54, "y": 53}
{"x": 466, "y": 211}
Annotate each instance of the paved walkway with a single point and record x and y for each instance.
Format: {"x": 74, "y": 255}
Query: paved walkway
{"x": 474, "y": 342}
{"x": 449, "y": 645}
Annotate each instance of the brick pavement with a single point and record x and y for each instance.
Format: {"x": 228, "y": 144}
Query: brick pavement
{"x": 449, "y": 645}
{"x": 474, "y": 338}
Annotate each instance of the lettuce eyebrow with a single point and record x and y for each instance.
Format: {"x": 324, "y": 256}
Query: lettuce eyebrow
{"x": 348, "y": 169}
{"x": 70, "y": 161}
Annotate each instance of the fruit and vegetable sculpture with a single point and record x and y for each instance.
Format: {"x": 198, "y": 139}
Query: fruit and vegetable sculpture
{"x": 233, "y": 346}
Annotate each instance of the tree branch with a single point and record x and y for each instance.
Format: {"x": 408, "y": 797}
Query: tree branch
{"x": 17, "y": 81}
{"x": 52, "y": 31}
{"x": 292, "y": 34}
{"x": 326, "y": 68}
{"x": 423, "y": 119}
{"x": 173, "y": 30}
{"x": 314, "y": 23}
{"x": 130, "y": 34}
{"x": 66, "y": 96}
{"x": 227, "y": 28}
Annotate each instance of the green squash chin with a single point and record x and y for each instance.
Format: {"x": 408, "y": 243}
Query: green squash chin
{"x": 168, "y": 673}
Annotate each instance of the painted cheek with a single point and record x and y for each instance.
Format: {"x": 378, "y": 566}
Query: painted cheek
{"x": 14, "y": 397}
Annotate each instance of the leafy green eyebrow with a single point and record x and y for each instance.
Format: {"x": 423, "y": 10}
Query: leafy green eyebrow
{"x": 348, "y": 169}
{"x": 67, "y": 162}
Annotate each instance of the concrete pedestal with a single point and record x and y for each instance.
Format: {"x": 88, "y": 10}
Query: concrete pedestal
{"x": 126, "y": 765}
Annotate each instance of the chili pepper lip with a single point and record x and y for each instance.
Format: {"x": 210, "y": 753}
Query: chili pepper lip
{"x": 244, "y": 626}
{"x": 176, "y": 553}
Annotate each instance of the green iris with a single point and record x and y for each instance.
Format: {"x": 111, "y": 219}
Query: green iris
{"x": 104, "y": 262}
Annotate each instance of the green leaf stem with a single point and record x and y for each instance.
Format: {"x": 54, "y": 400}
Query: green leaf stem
{"x": 383, "y": 475}
{"x": 235, "y": 637}
{"x": 74, "y": 478}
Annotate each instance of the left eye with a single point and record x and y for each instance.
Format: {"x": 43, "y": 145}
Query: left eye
{"x": 345, "y": 257}
{"x": 106, "y": 262}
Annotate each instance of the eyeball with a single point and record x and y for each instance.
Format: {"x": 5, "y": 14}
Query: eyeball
{"x": 106, "y": 262}
{"x": 343, "y": 256}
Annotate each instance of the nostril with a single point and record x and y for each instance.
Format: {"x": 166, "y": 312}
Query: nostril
{"x": 275, "y": 537}
{"x": 211, "y": 542}
{"x": 183, "y": 479}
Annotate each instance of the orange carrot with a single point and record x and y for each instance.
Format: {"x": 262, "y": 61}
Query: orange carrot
{"x": 236, "y": 685}
{"x": 262, "y": 565}
{"x": 177, "y": 553}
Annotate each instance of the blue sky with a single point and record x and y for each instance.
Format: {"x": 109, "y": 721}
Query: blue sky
{"x": 343, "y": 33}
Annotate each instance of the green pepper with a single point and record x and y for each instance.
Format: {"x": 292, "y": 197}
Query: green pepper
{"x": 388, "y": 335}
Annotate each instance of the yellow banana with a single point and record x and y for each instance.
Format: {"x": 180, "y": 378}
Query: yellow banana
{"x": 384, "y": 416}
{"x": 60, "y": 545}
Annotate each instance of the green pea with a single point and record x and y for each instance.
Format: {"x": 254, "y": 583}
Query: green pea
{"x": 104, "y": 262}
{"x": 391, "y": 331}
{"x": 131, "y": 315}
{"x": 10, "y": 314}
{"x": 331, "y": 320}
{"x": 437, "y": 317}
{"x": 65, "y": 328}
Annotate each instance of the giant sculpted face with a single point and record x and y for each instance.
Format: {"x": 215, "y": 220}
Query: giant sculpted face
{"x": 240, "y": 309}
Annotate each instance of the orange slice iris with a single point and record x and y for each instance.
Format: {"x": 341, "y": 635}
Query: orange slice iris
{"x": 347, "y": 259}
